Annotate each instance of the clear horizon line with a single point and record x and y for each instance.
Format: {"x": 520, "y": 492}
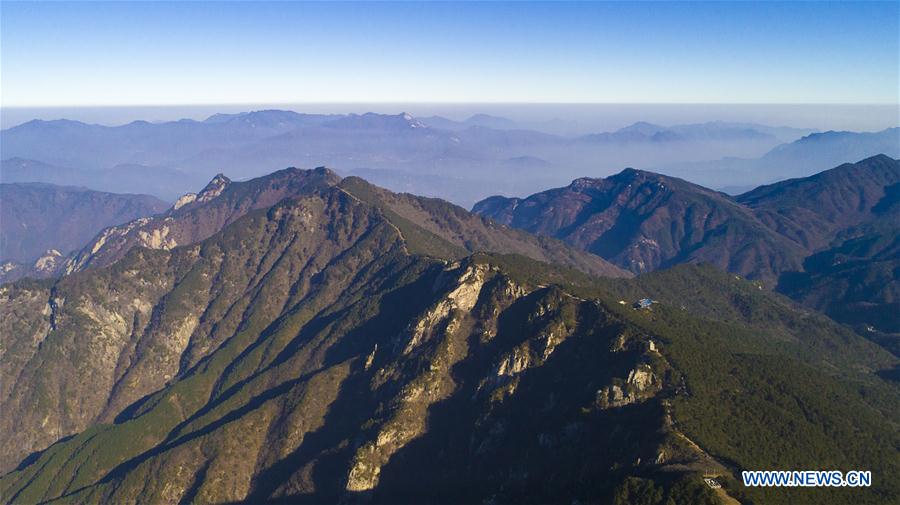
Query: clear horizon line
{"x": 386, "y": 102}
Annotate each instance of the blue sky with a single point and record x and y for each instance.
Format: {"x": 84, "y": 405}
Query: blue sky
{"x": 88, "y": 54}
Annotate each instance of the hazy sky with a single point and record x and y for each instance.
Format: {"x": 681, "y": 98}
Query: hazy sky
{"x": 82, "y": 54}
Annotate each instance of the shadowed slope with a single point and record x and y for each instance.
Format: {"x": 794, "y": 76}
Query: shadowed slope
{"x": 643, "y": 221}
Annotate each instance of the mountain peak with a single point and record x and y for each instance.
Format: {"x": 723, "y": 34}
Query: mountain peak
{"x": 488, "y": 121}
{"x": 642, "y": 127}
{"x": 48, "y": 262}
{"x": 880, "y": 158}
{"x": 218, "y": 180}
{"x": 412, "y": 121}
{"x": 214, "y": 188}
{"x": 374, "y": 120}
{"x": 633, "y": 174}
{"x": 301, "y": 175}
{"x": 325, "y": 171}
{"x": 199, "y": 216}
{"x": 583, "y": 182}
{"x": 626, "y": 176}
{"x": 51, "y": 123}
{"x": 627, "y": 218}
{"x": 267, "y": 118}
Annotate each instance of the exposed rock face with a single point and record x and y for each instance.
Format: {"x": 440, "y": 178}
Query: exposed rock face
{"x": 8, "y": 266}
{"x": 184, "y": 200}
{"x": 441, "y": 322}
{"x": 641, "y": 378}
{"x": 49, "y": 262}
{"x": 641, "y": 384}
{"x": 215, "y": 188}
{"x": 46, "y": 265}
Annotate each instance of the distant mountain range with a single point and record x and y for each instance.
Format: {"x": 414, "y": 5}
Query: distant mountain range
{"x": 801, "y": 158}
{"x": 714, "y": 130}
{"x": 165, "y": 183}
{"x": 301, "y": 338}
{"x": 36, "y": 218}
{"x": 643, "y": 221}
{"x": 640, "y": 131}
{"x": 483, "y": 120}
{"x": 479, "y": 153}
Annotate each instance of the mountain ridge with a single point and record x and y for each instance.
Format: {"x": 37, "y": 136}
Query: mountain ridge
{"x": 628, "y": 218}
{"x": 801, "y": 158}
{"x": 194, "y": 217}
{"x": 813, "y": 209}
{"x": 476, "y": 152}
{"x": 304, "y": 377}
{"x": 828, "y": 240}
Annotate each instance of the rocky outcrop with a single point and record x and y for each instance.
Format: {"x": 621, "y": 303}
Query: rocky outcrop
{"x": 215, "y": 188}
{"x": 641, "y": 384}
{"x": 184, "y": 200}
{"x": 46, "y": 265}
{"x": 49, "y": 262}
{"x": 442, "y": 322}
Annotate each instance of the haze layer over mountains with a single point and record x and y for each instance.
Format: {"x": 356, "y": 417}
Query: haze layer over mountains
{"x": 291, "y": 335}
{"x": 460, "y": 161}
